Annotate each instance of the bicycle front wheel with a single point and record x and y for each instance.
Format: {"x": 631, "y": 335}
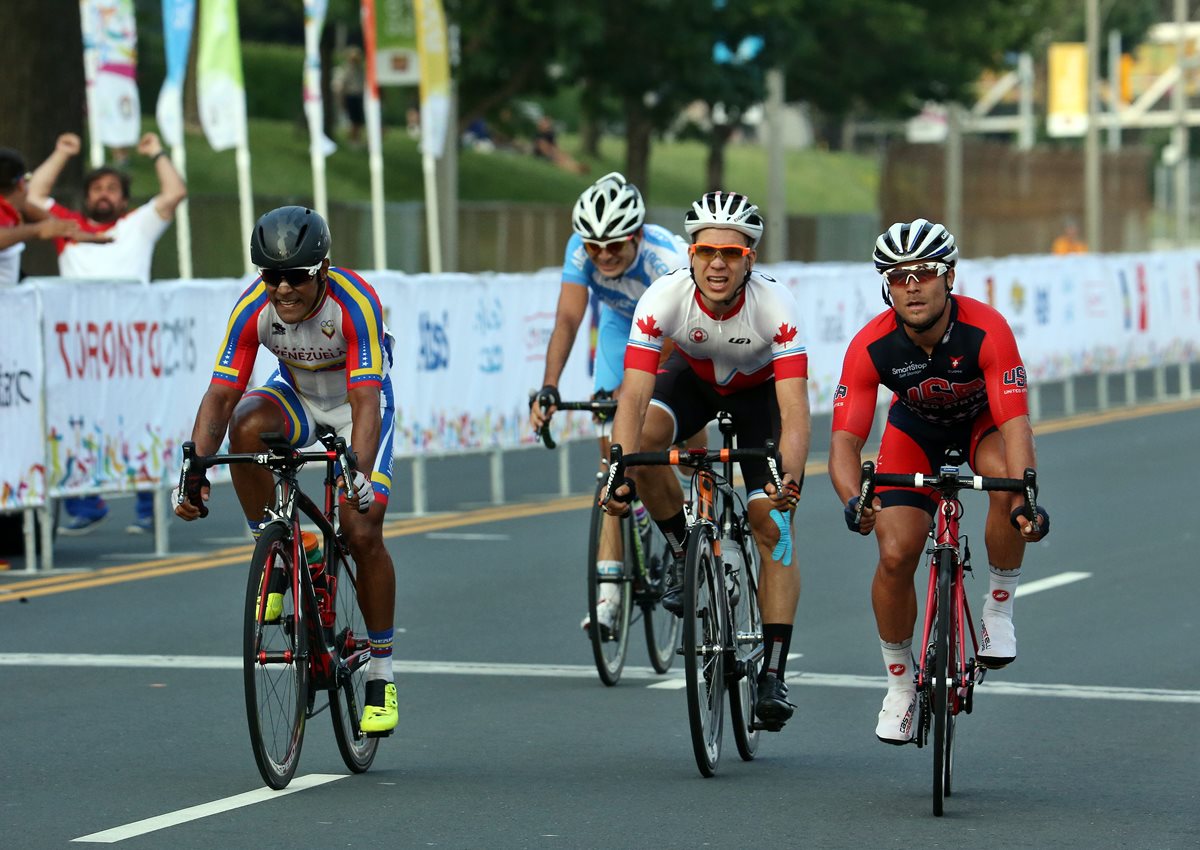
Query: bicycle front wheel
{"x": 705, "y": 623}
{"x": 943, "y": 672}
{"x": 662, "y": 627}
{"x": 274, "y": 659}
{"x": 748, "y": 647}
{"x": 353, "y": 652}
{"x": 609, "y": 594}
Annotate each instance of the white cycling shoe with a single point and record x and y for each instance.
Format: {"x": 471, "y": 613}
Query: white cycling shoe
{"x": 997, "y": 641}
{"x": 607, "y": 608}
{"x": 898, "y": 717}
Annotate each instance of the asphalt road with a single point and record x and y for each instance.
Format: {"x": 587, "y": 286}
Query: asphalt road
{"x": 122, "y": 700}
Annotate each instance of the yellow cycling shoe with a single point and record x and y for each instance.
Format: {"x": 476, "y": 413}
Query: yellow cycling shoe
{"x": 274, "y": 607}
{"x": 380, "y": 712}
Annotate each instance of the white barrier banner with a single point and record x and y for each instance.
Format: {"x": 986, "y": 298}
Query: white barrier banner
{"x": 126, "y": 365}
{"x": 1074, "y": 315}
{"x": 469, "y": 350}
{"x": 22, "y": 455}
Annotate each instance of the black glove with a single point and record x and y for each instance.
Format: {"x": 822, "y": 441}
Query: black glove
{"x": 548, "y": 396}
{"x": 851, "y": 509}
{"x": 192, "y": 482}
{"x": 1042, "y": 516}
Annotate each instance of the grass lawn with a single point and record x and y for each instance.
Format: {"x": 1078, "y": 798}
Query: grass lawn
{"x": 818, "y": 181}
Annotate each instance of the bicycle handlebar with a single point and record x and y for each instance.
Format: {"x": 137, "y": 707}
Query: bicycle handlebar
{"x": 602, "y": 407}
{"x": 703, "y": 458}
{"x": 279, "y": 454}
{"x": 947, "y": 482}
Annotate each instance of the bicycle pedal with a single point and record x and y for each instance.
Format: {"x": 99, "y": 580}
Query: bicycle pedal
{"x": 386, "y": 734}
{"x": 767, "y": 725}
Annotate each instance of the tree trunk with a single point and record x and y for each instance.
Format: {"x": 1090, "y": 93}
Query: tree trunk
{"x": 42, "y": 96}
{"x": 721, "y": 134}
{"x": 638, "y": 128}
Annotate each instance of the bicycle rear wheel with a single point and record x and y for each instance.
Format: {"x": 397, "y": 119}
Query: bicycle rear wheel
{"x": 274, "y": 660}
{"x": 353, "y": 652}
{"x": 662, "y": 627}
{"x": 943, "y": 672}
{"x": 747, "y": 643}
{"x": 705, "y": 627}
{"x": 609, "y": 540}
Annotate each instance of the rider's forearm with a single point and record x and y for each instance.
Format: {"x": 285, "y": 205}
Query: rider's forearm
{"x": 561, "y": 341}
{"x": 845, "y": 464}
{"x": 366, "y": 428}
{"x": 212, "y": 419}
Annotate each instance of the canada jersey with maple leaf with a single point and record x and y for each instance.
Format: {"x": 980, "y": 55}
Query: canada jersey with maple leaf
{"x": 756, "y": 341}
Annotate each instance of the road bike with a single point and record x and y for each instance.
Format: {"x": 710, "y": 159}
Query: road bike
{"x": 317, "y": 645}
{"x": 947, "y": 671}
{"x": 722, "y": 625}
{"x": 644, "y": 555}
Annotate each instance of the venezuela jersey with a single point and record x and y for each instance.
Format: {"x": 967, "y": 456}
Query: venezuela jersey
{"x": 342, "y": 343}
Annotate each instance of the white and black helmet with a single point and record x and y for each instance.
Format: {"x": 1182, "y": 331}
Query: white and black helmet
{"x": 914, "y": 242}
{"x": 609, "y": 208}
{"x": 728, "y": 210}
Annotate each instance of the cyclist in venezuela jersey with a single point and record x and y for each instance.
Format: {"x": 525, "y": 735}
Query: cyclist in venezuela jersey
{"x": 958, "y": 382}
{"x": 737, "y": 349}
{"x": 325, "y": 326}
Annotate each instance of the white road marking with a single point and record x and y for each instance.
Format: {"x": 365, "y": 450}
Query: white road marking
{"x": 671, "y": 681}
{"x": 1050, "y": 582}
{"x": 464, "y": 535}
{"x": 262, "y": 795}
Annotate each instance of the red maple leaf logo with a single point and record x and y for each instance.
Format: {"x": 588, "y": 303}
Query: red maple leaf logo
{"x": 650, "y": 329}
{"x": 786, "y": 334}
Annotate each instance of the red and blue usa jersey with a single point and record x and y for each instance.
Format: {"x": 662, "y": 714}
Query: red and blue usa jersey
{"x": 341, "y": 344}
{"x": 975, "y": 365}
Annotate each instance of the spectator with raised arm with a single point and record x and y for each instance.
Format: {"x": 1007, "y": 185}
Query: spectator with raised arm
{"x": 126, "y": 254}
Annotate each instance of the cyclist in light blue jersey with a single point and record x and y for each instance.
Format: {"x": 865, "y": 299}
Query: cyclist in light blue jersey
{"x": 614, "y": 255}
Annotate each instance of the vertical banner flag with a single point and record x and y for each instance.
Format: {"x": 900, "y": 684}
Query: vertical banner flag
{"x": 110, "y": 68}
{"x": 220, "y": 90}
{"x": 395, "y": 43}
{"x": 178, "y": 16}
{"x": 434, "y": 53}
{"x": 1067, "y": 111}
{"x": 314, "y": 106}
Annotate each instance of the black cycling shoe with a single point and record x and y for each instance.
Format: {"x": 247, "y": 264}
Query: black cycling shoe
{"x": 672, "y": 598}
{"x": 772, "y": 708}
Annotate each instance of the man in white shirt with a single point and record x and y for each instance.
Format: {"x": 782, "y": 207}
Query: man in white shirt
{"x": 126, "y": 255}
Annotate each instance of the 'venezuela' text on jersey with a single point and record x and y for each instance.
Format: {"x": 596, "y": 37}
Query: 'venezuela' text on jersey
{"x": 756, "y": 341}
{"x": 975, "y": 365}
{"x": 342, "y": 343}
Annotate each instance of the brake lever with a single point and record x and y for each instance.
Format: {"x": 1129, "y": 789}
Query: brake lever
{"x": 867, "y": 493}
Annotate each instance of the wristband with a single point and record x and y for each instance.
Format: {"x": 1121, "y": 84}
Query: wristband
{"x": 157, "y": 155}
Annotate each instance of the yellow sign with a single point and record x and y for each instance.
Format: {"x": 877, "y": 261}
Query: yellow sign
{"x": 1066, "y": 113}
{"x": 434, "y": 55}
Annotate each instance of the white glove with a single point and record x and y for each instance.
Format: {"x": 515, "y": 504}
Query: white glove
{"x": 359, "y": 491}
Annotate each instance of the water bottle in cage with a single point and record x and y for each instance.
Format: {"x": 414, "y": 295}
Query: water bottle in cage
{"x": 731, "y": 554}
{"x": 316, "y": 568}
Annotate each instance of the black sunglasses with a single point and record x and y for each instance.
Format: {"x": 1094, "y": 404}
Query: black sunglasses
{"x": 294, "y": 277}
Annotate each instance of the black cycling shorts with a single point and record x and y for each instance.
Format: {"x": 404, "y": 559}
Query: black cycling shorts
{"x": 693, "y": 403}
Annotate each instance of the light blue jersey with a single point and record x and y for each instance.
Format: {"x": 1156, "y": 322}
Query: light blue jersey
{"x": 660, "y": 251}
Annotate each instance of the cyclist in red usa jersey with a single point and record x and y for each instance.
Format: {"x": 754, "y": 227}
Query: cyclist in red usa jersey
{"x": 737, "y": 350}
{"x": 325, "y": 326}
{"x": 953, "y": 365}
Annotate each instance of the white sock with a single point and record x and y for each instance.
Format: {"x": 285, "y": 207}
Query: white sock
{"x": 897, "y": 661}
{"x": 1002, "y": 588}
{"x": 379, "y": 668}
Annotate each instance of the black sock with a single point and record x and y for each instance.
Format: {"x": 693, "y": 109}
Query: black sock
{"x": 674, "y": 529}
{"x": 777, "y": 637}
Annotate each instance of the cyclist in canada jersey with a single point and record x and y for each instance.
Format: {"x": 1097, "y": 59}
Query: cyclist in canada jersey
{"x": 614, "y": 256}
{"x": 325, "y": 326}
{"x": 737, "y": 349}
{"x": 958, "y": 382}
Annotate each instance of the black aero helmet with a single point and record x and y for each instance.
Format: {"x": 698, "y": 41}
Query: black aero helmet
{"x": 289, "y": 238}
